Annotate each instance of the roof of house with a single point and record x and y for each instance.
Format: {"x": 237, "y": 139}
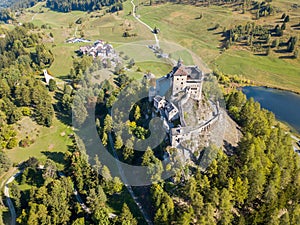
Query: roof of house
{"x": 194, "y": 72}
{"x": 181, "y": 71}
{"x": 47, "y": 76}
{"x": 158, "y": 98}
{"x": 170, "y": 106}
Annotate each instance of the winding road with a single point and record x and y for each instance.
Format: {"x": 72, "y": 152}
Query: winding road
{"x": 13, "y": 210}
{"x": 77, "y": 196}
{"x": 138, "y": 19}
{"x": 8, "y": 199}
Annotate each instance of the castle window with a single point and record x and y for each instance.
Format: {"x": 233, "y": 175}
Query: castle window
{"x": 181, "y": 82}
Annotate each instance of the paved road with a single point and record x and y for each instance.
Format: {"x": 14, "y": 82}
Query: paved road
{"x": 296, "y": 148}
{"x": 138, "y": 19}
{"x": 77, "y": 196}
{"x": 124, "y": 179}
{"x": 8, "y": 199}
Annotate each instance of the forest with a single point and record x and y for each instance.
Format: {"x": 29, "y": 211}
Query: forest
{"x": 87, "y": 5}
{"x": 262, "y": 39}
{"x": 51, "y": 199}
{"x": 258, "y": 184}
{"x": 21, "y": 92}
{"x": 18, "y": 4}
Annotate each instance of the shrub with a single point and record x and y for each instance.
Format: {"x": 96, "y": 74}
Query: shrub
{"x": 12, "y": 143}
{"x": 52, "y": 85}
{"x": 26, "y": 111}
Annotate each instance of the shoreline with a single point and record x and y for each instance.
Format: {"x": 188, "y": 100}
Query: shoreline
{"x": 288, "y": 126}
{"x": 268, "y": 86}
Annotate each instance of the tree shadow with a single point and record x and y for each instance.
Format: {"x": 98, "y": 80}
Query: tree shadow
{"x": 279, "y": 21}
{"x": 218, "y": 33}
{"x": 260, "y": 54}
{"x": 65, "y": 78}
{"x": 281, "y": 51}
{"x": 296, "y": 25}
{"x": 64, "y": 118}
{"x": 287, "y": 57}
{"x": 229, "y": 148}
{"x": 57, "y": 157}
{"x": 211, "y": 29}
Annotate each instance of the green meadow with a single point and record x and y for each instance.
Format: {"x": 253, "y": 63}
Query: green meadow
{"x": 179, "y": 23}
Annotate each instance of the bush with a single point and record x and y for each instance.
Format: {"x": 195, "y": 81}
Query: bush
{"x": 25, "y": 142}
{"x": 26, "y": 111}
{"x": 12, "y": 143}
{"x": 52, "y": 85}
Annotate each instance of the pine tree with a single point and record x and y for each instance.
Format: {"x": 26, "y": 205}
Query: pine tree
{"x": 126, "y": 217}
{"x": 137, "y": 113}
{"x": 118, "y": 142}
{"x": 52, "y": 85}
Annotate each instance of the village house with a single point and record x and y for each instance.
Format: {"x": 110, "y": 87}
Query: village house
{"x": 102, "y": 50}
{"x": 99, "y": 49}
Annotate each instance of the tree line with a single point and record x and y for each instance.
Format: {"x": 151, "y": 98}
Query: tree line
{"x": 259, "y": 184}
{"x": 86, "y": 5}
{"x": 260, "y": 38}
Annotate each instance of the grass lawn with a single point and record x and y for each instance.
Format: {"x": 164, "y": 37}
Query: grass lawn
{"x": 158, "y": 69}
{"x": 96, "y": 25}
{"x": 49, "y": 142}
{"x": 266, "y": 70}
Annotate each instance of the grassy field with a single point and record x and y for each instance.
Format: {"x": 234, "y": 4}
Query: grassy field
{"x": 97, "y": 25}
{"x": 49, "y": 142}
{"x": 178, "y": 23}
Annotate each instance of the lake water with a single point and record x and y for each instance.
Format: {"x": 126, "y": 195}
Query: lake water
{"x": 285, "y": 105}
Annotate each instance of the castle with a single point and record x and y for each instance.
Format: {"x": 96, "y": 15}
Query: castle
{"x": 181, "y": 79}
{"x": 188, "y": 79}
{"x": 185, "y": 82}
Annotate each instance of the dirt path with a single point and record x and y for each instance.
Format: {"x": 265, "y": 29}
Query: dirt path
{"x": 32, "y": 18}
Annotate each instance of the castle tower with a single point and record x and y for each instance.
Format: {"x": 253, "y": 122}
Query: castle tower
{"x": 179, "y": 62}
{"x": 179, "y": 78}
